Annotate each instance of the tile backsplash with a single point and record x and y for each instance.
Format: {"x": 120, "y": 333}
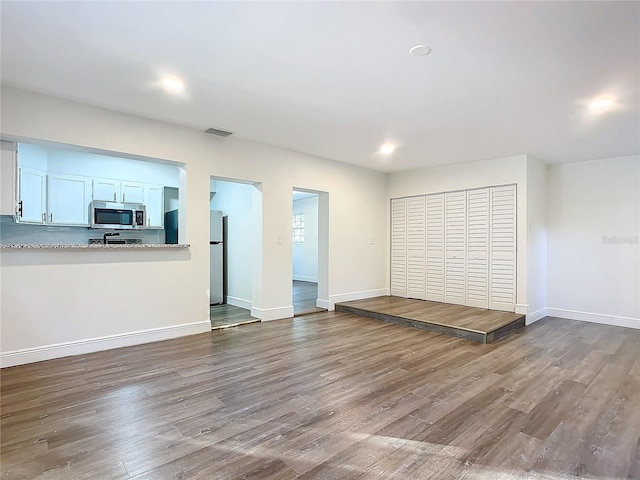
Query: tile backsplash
{"x": 12, "y": 233}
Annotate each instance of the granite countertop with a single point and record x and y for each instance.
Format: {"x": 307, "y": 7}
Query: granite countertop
{"x": 133, "y": 246}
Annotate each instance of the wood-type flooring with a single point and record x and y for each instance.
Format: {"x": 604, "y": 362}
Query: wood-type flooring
{"x": 304, "y": 302}
{"x": 332, "y": 396}
{"x": 477, "y": 324}
{"x": 305, "y": 295}
{"x": 225, "y": 316}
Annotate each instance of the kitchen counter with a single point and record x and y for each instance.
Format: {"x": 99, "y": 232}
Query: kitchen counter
{"x": 134, "y": 246}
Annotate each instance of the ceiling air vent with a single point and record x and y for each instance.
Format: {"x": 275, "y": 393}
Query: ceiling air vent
{"x": 217, "y": 131}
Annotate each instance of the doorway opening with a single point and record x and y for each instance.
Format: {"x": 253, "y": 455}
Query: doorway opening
{"x": 235, "y": 240}
{"x": 310, "y": 243}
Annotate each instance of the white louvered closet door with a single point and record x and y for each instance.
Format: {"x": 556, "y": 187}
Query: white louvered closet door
{"x": 502, "y": 272}
{"x": 399, "y": 247}
{"x": 415, "y": 247}
{"x": 478, "y": 248}
{"x": 435, "y": 247}
{"x": 455, "y": 223}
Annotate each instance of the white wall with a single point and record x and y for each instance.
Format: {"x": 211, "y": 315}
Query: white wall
{"x": 244, "y": 210}
{"x": 103, "y": 166}
{"x": 171, "y": 286}
{"x": 57, "y": 160}
{"x": 536, "y": 239}
{"x": 463, "y": 176}
{"x": 33, "y": 156}
{"x": 593, "y": 250}
{"x": 305, "y": 254}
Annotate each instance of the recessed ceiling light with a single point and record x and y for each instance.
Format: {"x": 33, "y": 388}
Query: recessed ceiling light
{"x": 420, "y": 50}
{"x": 172, "y": 85}
{"x": 601, "y": 105}
{"x": 387, "y": 149}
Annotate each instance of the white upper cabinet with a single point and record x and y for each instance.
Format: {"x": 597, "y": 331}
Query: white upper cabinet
{"x": 106, "y": 190}
{"x": 131, "y": 192}
{"x": 154, "y": 202}
{"x": 31, "y": 196}
{"x": 8, "y": 178}
{"x": 68, "y": 198}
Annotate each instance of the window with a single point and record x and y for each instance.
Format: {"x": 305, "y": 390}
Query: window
{"x": 298, "y": 228}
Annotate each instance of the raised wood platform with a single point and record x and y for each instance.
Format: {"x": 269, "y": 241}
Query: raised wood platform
{"x": 477, "y": 324}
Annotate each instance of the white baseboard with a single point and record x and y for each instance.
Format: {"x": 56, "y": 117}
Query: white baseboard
{"x": 594, "y": 318}
{"x": 302, "y": 278}
{"x": 267, "y": 314}
{"x": 521, "y": 308}
{"x": 239, "y": 302}
{"x": 535, "y": 316}
{"x": 347, "y": 297}
{"x": 90, "y": 345}
{"x": 322, "y": 303}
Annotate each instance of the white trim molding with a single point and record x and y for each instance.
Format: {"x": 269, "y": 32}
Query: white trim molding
{"x": 268, "y": 314}
{"x": 521, "y": 308}
{"x": 239, "y": 302}
{"x": 347, "y": 297}
{"x": 303, "y": 278}
{"x": 320, "y": 303}
{"x": 535, "y": 316}
{"x": 90, "y": 345}
{"x": 595, "y": 318}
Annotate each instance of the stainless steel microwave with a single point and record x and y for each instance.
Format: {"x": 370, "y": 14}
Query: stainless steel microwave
{"x": 118, "y": 215}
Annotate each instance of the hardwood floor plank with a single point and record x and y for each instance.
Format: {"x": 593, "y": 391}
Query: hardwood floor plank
{"x": 332, "y": 395}
{"x": 475, "y": 324}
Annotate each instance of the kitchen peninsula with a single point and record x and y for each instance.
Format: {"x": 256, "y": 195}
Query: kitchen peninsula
{"x": 95, "y": 246}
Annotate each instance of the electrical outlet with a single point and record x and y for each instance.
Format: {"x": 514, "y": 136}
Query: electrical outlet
{"x": 280, "y": 239}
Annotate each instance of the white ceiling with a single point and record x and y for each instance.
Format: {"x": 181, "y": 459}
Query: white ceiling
{"x": 334, "y": 79}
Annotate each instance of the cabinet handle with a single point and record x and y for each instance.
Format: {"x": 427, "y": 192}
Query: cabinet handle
{"x": 44, "y": 218}
{"x": 123, "y": 198}
{"x": 51, "y": 218}
{"x": 20, "y": 208}
{"x": 114, "y": 196}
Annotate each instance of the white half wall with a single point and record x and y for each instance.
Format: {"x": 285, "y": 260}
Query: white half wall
{"x": 50, "y": 297}
{"x": 593, "y": 250}
{"x": 305, "y": 254}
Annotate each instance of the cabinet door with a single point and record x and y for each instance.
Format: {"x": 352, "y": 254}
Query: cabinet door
{"x": 455, "y": 224}
{"x": 399, "y": 247}
{"x": 416, "y": 247}
{"x": 478, "y": 248}
{"x": 8, "y": 179}
{"x": 435, "y": 248}
{"x": 502, "y": 269}
{"x": 131, "y": 192}
{"x": 154, "y": 201}
{"x": 68, "y": 198}
{"x": 31, "y": 195}
{"x": 106, "y": 190}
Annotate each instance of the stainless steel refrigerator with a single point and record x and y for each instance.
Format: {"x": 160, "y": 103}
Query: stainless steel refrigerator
{"x": 216, "y": 251}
